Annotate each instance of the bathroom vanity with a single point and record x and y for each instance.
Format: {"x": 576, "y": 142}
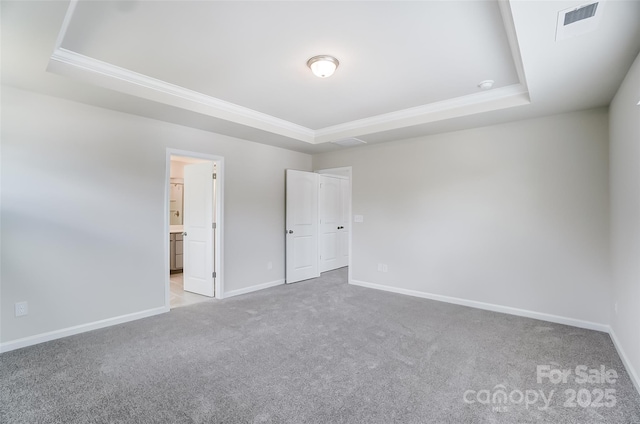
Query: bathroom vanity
{"x": 175, "y": 248}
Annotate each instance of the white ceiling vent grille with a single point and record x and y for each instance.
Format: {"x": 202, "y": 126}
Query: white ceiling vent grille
{"x": 578, "y": 20}
{"x": 581, "y": 13}
{"x": 349, "y": 142}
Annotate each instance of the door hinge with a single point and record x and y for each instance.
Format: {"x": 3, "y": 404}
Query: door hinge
{"x": 214, "y": 176}
{"x": 213, "y": 274}
{"x": 213, "y": 225}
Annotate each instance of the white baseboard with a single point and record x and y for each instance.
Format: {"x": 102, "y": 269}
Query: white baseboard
{"x": 625, "y": 360}
{"x": 633, "y": 375}
{"x": 253, "y": 288}
{"x": 70, "y": 331}
{"x": 488, "y": 306}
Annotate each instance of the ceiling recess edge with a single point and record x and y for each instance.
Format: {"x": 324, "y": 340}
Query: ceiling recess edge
{"x": 75, "y": 65}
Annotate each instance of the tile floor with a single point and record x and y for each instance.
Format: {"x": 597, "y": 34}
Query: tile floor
{"x": 179, "y": 297}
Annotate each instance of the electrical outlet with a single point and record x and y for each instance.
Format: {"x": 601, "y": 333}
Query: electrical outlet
{"x": 615, "y": 307}
{"x": 22, "y": 309}
{"x": 380, "y": 267}
{"x": 385, "y": 268}
{"x": 269, "y": 265}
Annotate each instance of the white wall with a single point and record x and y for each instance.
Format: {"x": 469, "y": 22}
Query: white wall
{"x": 513, "y": 215}
{"x": 83, "y": 206}
{"x": 625, "y": 217}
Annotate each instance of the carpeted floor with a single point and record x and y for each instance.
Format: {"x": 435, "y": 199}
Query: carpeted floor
{"x": 319, "y": 351}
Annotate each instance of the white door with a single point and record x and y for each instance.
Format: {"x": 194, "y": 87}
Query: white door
{"x": 301, "y": 226}
{"x": 198, "y": 229}
{"x": 345, "y": 222}
{"x": 330, "y": 222}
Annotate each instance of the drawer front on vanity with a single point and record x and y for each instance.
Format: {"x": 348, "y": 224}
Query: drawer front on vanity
{"x": 178, "y": 251}
{"x": 175, "y": 255}
{"x": 172, "y": 251}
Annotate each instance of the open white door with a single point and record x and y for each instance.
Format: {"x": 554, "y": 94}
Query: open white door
{"x": 301, "y": 226}
{"x": 198, "y": 228}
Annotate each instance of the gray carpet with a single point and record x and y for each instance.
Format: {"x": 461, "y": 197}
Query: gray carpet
{"x": 319, "y": 351}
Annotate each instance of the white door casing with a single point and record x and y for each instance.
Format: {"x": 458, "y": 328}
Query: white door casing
{"x": 198, "y": 229}
{"x": 301, "y": 226}
{"x": 214, "y": 220}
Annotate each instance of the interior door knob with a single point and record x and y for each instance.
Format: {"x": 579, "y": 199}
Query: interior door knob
{"x": 184, "y": 234}
{"x": 290, "y": 231}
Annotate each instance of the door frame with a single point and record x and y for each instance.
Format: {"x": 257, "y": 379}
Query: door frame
{"x": 218, "y": 210}
{"x": 340, "y": 172}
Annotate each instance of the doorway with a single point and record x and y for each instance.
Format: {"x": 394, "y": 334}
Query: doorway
{"x": 334, "y": 222}
{"x": 318, "y": 224}
{"x": 193, "y": 227}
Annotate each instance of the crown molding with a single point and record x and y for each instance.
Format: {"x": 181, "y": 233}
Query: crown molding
{"x": 499, "y": 98}
{"x": 65, "y": 23}
{"x": 104, "y": 74}
{"x": 512, "y": 38}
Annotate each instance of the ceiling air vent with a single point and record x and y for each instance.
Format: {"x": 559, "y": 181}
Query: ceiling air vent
{"x": 349, "y": 142}
{"x": 583, "y": 12}
{"x": 578, "y": 20}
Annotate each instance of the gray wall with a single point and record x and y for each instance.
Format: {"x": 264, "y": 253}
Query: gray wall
{"x": 514, "y": 215}
{"x": 83, "y": 211}
{"x": 625, "y": 216}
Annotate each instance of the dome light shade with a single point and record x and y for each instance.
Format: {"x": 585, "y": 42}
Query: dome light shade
{"x": 323, "y": 66}
{"x": 486, "y": 84}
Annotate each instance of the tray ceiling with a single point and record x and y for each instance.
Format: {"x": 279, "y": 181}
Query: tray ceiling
{"x": 401, "y": 63}
{"x": 393, "y": 55}
{"x": 238, "y": 68}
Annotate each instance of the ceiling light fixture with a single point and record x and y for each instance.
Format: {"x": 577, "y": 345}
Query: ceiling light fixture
{"x": 323, "y": 66}
{"x": 486, "y": 84}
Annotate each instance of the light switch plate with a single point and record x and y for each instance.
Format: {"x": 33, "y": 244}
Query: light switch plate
{"x": 358, "y": 218}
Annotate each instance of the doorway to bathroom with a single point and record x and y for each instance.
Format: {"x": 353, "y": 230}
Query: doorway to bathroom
{"x": 194, "y": 193}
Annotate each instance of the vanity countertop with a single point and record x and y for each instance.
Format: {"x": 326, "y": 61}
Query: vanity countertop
{"x": 173, "y": 229}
